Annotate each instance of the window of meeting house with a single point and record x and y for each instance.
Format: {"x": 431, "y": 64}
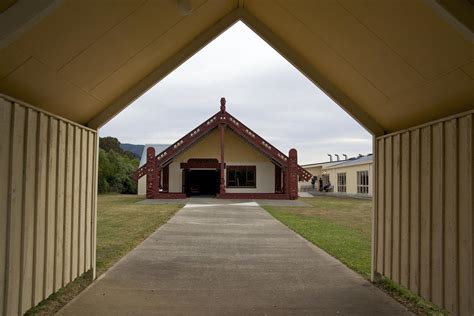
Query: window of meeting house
{"x": 241, "y": 176}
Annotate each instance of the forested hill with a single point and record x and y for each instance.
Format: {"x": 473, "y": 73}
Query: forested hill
{"x": 116, "y": 166}
{"x": 137, "y": 150}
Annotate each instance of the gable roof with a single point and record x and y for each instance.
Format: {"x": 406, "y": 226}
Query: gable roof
{"x": 221, "y": 117}
{"x": 386, "y": 76}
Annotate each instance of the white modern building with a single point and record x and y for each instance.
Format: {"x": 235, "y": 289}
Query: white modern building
{"x": 350, "y": 176}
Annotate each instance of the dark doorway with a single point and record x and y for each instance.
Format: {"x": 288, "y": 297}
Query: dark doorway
{"x": 201, "y": 182}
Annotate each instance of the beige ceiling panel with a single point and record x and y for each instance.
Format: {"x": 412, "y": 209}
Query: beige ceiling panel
{"x": 11, "y": 58}
{"x": 121, "y": 43}
{"x": 446, "y": 95}
{"x": 34, "y": 83}
{"x": 469, "y": 70}
{"x": 350, "y": 39}
{"x": 72, "y": 27}
{"x": 5, "y": 4}
{"x": 315, "y": 51}
{"x": 416, "y": 32}
{"x": 163, "y": 48}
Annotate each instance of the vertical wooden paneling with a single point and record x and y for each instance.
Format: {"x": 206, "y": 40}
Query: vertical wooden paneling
{"x": 405, "y": 210}
{"x": 437, "y": 201}
{"x": 388, "y": 208}
{"x": 40, "y": 210}
{"x": 68, "y": 187}
{"x": 47, "y": 171}
{"x": 380, "y": 205}
{"x": 465, "y": 216}
{"x": 28, "y": 225}
{"x": 51, "y": 207}
{"x": 432, "y": 206}
{"x": 90, "y": 192}
{"x": 425, "y": 215}
{"x": 15, "y": 210}
{"x": 82, "y": 202}
{"x": 415, "y": 211}
{"x": 373, "y": 249}
{"x": 396, "y": 209}
{"x": 451, "y": 215}
{"x": 5, "y": 132}
{"x": 94, "y": 206}
{"x": 60, "y": 180}
{"x": 75, "y": 204}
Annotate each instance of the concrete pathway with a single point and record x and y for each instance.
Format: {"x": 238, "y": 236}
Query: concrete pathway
{"x": 305, "y": 194}
{"x": 230, "y": 259}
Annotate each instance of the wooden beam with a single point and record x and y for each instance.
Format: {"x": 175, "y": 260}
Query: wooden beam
{"x": 459, "y": 15}
{"x": 163, "y": 70}
{"x": 23, "y": 15}
{"x": 313, "y": 74}
{"x": 267, "y": 35}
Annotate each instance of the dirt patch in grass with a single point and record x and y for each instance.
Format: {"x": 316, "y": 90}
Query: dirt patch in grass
{"x": 121, "y": 225}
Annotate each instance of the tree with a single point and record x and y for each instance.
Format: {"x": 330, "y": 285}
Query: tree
{"x": 115, "y": 168}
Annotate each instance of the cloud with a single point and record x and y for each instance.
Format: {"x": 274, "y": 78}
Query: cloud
{"x": 262, "y": 89}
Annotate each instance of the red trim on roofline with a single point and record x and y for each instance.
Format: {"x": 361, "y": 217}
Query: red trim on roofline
{"x": 207, "y": 126}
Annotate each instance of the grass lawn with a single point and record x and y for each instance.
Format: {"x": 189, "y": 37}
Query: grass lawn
{"x": 343, "y": 228}
{"x": 121, "y": 226}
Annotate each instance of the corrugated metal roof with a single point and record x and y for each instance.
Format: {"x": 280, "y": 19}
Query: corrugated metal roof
{"x": 341, "y": 163}
{"x": 353, "y": 161}
{"x": 158, "y": 149}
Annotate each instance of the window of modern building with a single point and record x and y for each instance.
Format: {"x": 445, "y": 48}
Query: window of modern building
{"x": 341, "y": 182}
{"x": 241, "y": 176}
{"x": 363, "y": 182}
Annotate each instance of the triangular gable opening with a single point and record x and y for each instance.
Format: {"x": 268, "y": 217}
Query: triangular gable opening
{"x": 190, "y": 108}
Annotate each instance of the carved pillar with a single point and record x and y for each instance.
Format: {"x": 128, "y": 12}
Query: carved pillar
{"x": 293, "y": 174}
{"x": 150, "y": 173}
{"x": 157, "y": 182}
{"x": 222, "y": 162}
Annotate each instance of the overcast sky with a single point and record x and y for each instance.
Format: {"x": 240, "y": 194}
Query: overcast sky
{"x": 262, "y": 89}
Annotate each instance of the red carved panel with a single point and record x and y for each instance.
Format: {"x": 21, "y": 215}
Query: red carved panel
{"x": 197, "y": 163}
{"x": 237, "y": 126}
{"x": 304, "y": 174}
{"x": 221, "y": 140}
{"x": 181, "y": 145}
{"x": 293, "y": 174}
{"x": 151, "y": 187}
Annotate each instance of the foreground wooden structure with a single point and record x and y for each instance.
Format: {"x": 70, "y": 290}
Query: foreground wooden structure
{"x": 403, "y": 69}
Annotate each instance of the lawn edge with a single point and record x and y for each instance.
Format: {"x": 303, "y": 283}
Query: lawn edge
{"x": 86, "y": 277}
{"x": 404, "y": 296}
